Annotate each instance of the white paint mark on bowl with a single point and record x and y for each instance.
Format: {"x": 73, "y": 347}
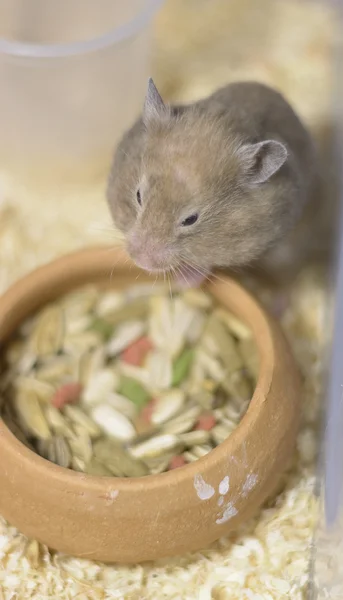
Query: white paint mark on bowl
{"x": 229, "y": 512}
{"x": 110, "y": 497}
{"x": 220, "y": 501}
{"x": 204, "y": 490}
{"x": 249, "y": 484}
{"x": 224, "y": 485}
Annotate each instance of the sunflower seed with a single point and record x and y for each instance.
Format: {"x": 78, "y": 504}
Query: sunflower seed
{"x": 43, "y": 448}
{"x": 156, "y": 446}
{"x": 168, "y": 324}
{"x": 235, "y": 326}
{"x": 80, "y": 302}
{"x": 89, "y": 364}
{"x": 190, "y": 411}
{"x": 78, "y": 464}
{"x": 95, "y": 467}
{"x": 78, "y": 325}
{"x": 230, "y": 411}
{"x": 190, "y": 456}
{"x": 198, "y": 298}
{"x": 31, "y": 416}
{"x": 135, "y": 310}
{"x": 79, "y": 343}
{"x": 113, "y": 422}
{"x": 59, "y": 452}
{"x": 56, "y": 420}
{"x": 178, "y": 426}
{"x": 202, "y": 450}
{"x": 79, "y": 417}
{"x": 237, "y": 385}
{"x": 183, "y": 317}
{"x": 141, "y": 375}
{"x": 167, "y": 406}
{"x": 194, "y": 384}
{"x": 196, "y": 328}
{"x": 158, "y": 465}
{"x": 123, "y": 404}
{"x": 118, "y": 460}
{"x": 26, "y": 363}
{"x": 195, "y": 438}
{"x": 159, "y": 366}
{"x": 124, "y": 335}
{"x": 210, "y": 365}
{"x": 224, "y": 343}
{"x": 99, "y": 386}
{"x": 228, "y": 424}
{"x": 80, "y": 443}
{"x": 145, "y": 290}
{"x": 219, "y": 434}
{"x": 204, "y": 399}
{"x": 15, "y": 352}
{"x": 55, "y": 370}
{"x": 48, "y": 333}
{"x": 250, "y": 356}
{"x": 109, "y": 303}
{"x": 43, "y": 390}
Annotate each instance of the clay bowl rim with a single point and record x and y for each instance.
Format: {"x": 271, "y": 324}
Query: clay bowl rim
{"x": 96, "y": 261}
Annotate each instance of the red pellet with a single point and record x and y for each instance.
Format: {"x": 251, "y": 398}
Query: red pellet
{"x": 137, "y": 351}
{"x": 146, "y": 412}
{"x": 66, "y": 394}
{"x": 206, "y": 422}
{"x": 176, "y": 462}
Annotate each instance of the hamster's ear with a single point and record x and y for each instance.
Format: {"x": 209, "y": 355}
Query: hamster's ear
{"x": 154, "y": 108}
{"x": 263, "y": 159}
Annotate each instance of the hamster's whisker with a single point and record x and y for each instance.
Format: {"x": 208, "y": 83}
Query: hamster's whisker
{"x": 115, "y": 262}
{"x": 204, "y": 272}
{"x": 111, "y": 249}
{"x": 115, "y": 234}
{"x": 179, "y": 270}
{"x": 170, "y": 289}
{"x": 110, "y": 230}
{"x": 197, "y": 268}
{"x": 173, "y": 272}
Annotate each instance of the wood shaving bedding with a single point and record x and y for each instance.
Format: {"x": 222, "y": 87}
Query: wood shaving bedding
{"x": 268, "y": 558}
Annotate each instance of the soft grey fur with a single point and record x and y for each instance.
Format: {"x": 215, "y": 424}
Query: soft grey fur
{"x": 241, "y": 159}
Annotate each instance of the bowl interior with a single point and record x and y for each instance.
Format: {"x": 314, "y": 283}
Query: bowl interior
{"x": 165, "y": 514}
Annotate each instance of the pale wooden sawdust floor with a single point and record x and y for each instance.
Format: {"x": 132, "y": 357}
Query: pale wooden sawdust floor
{"x": 196, "y": 50}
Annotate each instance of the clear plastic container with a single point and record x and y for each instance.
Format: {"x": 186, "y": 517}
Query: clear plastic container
{"x": 327, "y": 552}
{"x": 72, "y": 78}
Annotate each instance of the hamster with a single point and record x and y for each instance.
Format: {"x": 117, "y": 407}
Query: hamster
{"x": 223, "y": 182}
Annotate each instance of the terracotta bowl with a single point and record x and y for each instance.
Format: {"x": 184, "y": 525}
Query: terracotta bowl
{"x": 131, "y": 520}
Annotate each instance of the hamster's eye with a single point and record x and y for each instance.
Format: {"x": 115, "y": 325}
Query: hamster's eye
{"x": 190, "y": 220}
{"x": 139, "y": 198}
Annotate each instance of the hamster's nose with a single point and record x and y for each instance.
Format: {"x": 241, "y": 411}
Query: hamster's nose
{"x": 148, "y": 255}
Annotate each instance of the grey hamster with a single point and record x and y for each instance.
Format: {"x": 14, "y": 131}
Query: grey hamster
{"x": 222, "y": 182}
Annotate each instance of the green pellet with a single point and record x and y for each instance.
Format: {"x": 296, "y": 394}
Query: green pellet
{"x": 182, "y": 365}
{"x": 103, "y": 327}
{"x": 134, "y": 391}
